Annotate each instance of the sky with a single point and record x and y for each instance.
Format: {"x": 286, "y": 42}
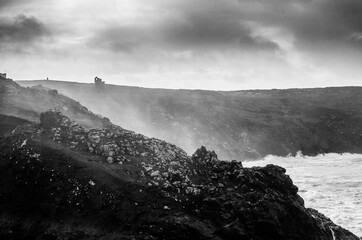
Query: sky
{"x": 190, "y": 44}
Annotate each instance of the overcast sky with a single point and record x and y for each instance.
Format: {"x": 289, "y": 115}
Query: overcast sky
{"x": 205, "y": 44}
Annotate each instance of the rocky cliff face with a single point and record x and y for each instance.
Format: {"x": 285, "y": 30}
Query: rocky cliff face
{"x": 62, "y": 180}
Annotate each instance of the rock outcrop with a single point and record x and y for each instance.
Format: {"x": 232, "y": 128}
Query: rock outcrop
{"x": 62, "y": 180}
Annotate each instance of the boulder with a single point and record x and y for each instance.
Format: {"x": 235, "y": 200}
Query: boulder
{"x": 110, "y": 160}
{"x": 94, "y": 137}
{"x": 202, "y": 155}
{"x": 50, "y": 119}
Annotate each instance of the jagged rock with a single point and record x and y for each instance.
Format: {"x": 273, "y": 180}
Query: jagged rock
{"x": 205, "y": 156}
{"x": 111, "y": 153}
{"x": 110, "y": 160}
{"x": 94, "y": 137}
{"x": 50, "y": 119}
{"x": 155, "y": 173}
{"x": 205, "y": 198}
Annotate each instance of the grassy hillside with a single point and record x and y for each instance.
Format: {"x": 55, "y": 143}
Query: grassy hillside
{"x": 238, "y": 124}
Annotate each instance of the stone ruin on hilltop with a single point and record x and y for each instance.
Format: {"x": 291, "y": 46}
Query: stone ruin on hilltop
{"x": 98, "y": 82}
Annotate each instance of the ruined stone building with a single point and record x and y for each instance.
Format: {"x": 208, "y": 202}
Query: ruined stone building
{"x": 98, "y": 82}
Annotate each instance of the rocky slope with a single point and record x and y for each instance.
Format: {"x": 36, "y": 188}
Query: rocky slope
{"x": 8, "y": 123}
{"x": 62, "y": 180}
{"x": 28, "y": 103}
{"x": 237, "y": 125}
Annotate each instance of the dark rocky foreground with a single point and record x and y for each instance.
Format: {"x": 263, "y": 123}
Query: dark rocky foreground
{"x": 62, "y": 180}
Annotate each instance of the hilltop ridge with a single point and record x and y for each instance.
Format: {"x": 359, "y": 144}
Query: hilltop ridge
{"x": 242, "y": 125}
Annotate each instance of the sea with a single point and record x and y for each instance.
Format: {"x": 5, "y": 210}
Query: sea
{"x": 330, "y": 183}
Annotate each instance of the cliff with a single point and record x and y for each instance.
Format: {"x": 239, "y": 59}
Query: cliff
{"x": 62, "y": 180}
{"x": 67, "y": 173}
{"x": 237, "y": 125}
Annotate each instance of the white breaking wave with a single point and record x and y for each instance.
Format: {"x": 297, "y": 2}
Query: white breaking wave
{"x": 330, "y": 183}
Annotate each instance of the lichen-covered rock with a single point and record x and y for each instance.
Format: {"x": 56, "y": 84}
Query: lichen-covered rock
{"x": 94, "y": 137}
{"x": 110, "y": 160}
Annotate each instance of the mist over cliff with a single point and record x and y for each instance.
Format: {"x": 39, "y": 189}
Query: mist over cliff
{"x": 236, "y": 124}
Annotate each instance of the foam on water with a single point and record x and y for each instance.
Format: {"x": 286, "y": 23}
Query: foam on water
{"x": 330, "y": 183}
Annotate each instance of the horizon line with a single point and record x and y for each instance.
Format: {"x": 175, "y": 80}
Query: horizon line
{"x": 189, "y": 89}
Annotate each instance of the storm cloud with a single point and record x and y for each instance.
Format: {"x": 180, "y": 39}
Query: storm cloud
{"x": 20, "y": 32}
{"x": 220, "y": 25}
{"x": 315, "y": 21}
{"x": 9, "y": 4}
{"x": 4, "y": 3}
{"x": 185, "y": 43}
{"x": 191, "y": 26}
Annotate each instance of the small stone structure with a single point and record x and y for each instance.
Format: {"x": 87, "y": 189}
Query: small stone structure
{"x": 3, "y": 75}
{"x": 98, "y": 82}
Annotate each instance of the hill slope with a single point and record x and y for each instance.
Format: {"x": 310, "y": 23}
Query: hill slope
{"x": 63, "y": 180}
{"x": 237, "y": 125}
{"x": 28, "y": 103}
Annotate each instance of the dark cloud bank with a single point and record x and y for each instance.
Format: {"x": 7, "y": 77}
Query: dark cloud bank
{"x": 4, "y": 3}
{"x": 223, "y": 25}
{"x": 189, "y": 26}
{"x": 20, "y": 32}
{"x": 216, "y": 25}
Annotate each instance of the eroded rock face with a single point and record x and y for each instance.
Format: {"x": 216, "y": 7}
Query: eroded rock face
{"x": 116, "y": 181}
